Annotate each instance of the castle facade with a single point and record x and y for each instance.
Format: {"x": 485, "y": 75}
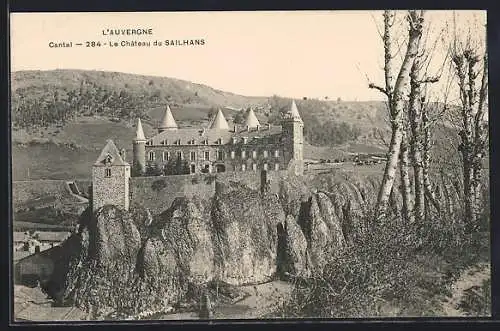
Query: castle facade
{"x": 251, "y": 147}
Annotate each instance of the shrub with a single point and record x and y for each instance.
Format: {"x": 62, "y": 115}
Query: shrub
{"x": 394, "y": 268}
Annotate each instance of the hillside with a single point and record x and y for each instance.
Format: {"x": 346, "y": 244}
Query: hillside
{"x": 61, "y": 118}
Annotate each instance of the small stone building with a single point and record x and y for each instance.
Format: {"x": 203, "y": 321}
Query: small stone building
{"x": 110, "y": 179}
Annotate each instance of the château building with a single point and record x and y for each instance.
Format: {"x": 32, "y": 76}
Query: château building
{"x": 220, "y": 148}
{"x": 250, "y": 148}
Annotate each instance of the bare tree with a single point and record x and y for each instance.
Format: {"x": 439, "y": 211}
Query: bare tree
{"x": 396, "y": 96}
{"x": 473, "y": 132}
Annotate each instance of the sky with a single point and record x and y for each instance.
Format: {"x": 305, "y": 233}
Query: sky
{"x": 292, "y": 54}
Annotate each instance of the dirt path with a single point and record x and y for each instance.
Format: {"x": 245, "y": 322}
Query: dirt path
{"x": 262, "y": 299}
{"x": 474, "y": 276}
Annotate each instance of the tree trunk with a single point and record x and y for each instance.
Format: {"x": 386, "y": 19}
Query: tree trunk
{"x": 396, "y": 107}
{"x": 408, "y": 213}
{"x": 426, "y": 162}
{"x": 415, "y": 116}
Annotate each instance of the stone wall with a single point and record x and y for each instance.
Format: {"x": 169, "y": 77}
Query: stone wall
{"x": 110, "y": 190}
{"x": 158, "y": 192}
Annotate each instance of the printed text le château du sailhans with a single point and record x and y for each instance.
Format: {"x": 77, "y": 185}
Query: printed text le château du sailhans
{"x": 139, "y": 32}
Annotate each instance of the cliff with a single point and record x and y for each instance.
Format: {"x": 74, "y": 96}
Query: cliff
{"x": 131, "y": 262}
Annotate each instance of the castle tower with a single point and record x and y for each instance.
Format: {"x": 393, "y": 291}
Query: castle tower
{"x": 251, "y": 120}
{"x": 293, "y": 139}
{"x": 139, "y": 151}
{"x": 167, "y": 121}
{"x": 219, "y": 122}
{"x": 110, "y": 179}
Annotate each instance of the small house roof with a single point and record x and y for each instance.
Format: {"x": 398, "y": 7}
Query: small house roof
{"x": 19, "y": 236}
{"x": 110, "y": 156}
{"x": 52, "y": 235}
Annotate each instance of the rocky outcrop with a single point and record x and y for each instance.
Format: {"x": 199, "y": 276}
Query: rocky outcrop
{"x": 129, "y": 261}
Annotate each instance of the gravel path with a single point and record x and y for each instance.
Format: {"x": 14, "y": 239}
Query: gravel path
{"x": 474, "y": 276}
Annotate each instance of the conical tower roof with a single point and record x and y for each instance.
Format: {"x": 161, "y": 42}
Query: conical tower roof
{"x": 139, "y": 132}
{"x": 294, "y": 112}
{"x": 251, "y": 120}
{"x": 168, "y": 121}
{"x": 110, "y": 156}
{"x": 219, "y": 122}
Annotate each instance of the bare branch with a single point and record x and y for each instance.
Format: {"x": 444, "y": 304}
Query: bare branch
{"x": 381, "y": 89}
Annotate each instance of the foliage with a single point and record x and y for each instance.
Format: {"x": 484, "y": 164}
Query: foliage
{"x": 158, "y": 185}
{"x": 477, "y": 300}
{"x": 153, "y": 169}
{"x": 90, "y": 99}
{"x": 176, "y": 166}
{"x": 395, "y": 268}
{"x": 316, "y": 131}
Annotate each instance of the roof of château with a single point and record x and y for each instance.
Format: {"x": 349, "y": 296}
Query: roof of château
{"x": 110, "y": 153}
{"x": 186, "y": 136}
{"x": 294, "y": 112}
{"x": 139, "y": 133}
{"x": 168, "y": 121}
{"x": 219, "y": 122}
{"x": 251, "y": 120}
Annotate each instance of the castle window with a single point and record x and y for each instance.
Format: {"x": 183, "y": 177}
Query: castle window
{"x": 164, "y": 142}
{"x": 264, "y": 153}
{"x": 108, "y": 172}
{"x": 276, "y": 153}
{"x": 193, "y": 156}
{"x": 235, "y": 140}
{"x": 277, "y": 166}
{"x": 245, "y": 140}
{"x": 108, "y": 159}
{"x": 254, "y": 167}
{"x": 265, "y": 166}
{"x": 233, "y": 154}
{"x": 254, "y": 154}
{"x": 243, "y": 167}
{"x": 205, "y": 142}
{"x": 179, "y": 155}
{"x": 219, "y": 141}
{"x": 151, "y": 156}
{"x": 220, "y": 155}
{"x": 207, "y": 155}
{"x": 243, "y": 154}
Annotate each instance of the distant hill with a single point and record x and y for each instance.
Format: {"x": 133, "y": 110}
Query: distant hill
{"x": 61, "y": 118}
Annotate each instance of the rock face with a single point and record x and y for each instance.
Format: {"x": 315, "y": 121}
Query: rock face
{"x": 130, "y": 262}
